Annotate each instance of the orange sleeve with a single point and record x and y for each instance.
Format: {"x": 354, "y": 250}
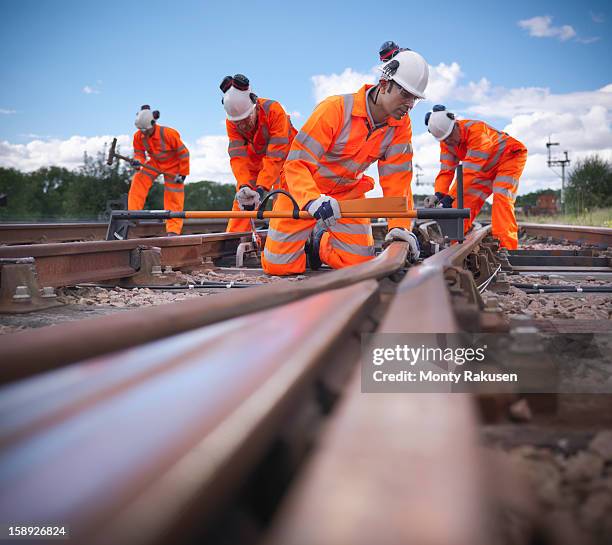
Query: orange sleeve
{"x": 139, "y": 150}
{"x": 448, "y": 165}
{"x": 239, "y": 157}
{"x": 480, "y": 149}
{"x": 395, "y": 170}
{"x": 183, "y": 153}
{"x": 313, "y": 140}
{"x": 278, "y": 146}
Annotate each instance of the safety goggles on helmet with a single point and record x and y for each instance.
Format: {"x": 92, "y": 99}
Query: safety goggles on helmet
{"x": 239, "y": 81}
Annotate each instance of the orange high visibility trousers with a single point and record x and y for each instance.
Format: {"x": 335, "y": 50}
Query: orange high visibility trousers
{"x": 174, "y": 197}
{"x": 348, "y": 242}
{"x": 504, "y": 185}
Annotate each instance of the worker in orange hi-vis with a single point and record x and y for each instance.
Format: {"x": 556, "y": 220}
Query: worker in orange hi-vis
{"x": 493, "y": 162}
{"x": 161, "y": 148}
{"x": 326, "y": 164}
{"x": 260, "y": 134}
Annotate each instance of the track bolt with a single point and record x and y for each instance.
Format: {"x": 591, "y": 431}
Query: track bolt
{"x": 22, "y": 294}
{"x": 156, "y": 270}
{"x": 168, "y": 269}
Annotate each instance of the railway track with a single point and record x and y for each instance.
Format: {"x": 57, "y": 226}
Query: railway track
{"x": 239, "y": 417}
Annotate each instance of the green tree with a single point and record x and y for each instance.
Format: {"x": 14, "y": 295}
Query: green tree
{"x": 589, "y": 184}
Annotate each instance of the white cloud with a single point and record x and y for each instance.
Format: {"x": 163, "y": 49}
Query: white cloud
{"x": 88, "y": 90}
{"x": 335, "y": 84}
{"x": 442, "y": 80}
{"x": 4, "y": 111}
{"x": 542, "y": 27}
{"x": 597, "y": 17}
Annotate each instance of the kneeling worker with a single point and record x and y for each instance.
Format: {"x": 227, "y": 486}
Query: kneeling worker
{"x": 326, "y": 164}
{"x": 260, "y": 135}
{"x": 161, "y": 148}
{"x": 493, "y": 162}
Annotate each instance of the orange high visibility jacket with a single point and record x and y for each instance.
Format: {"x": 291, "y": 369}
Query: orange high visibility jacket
{"x": 339, "y": 142}
{"x": 165, "y": 151}
{"x": 481, "y": 149}
{"x": 257, "y": 160}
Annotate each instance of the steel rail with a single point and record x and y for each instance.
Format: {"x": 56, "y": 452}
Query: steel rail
{"x": 26, "y": 353}
{"x": 221, "y": 410}
{"x": 44, "y": 233}
{"x": 571, "y": 233}
{"x": 65, "y": 264}
{"x": 394, "y": 447}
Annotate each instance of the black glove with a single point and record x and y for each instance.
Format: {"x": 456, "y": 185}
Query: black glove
{"x": 445, "y": 200}
{"x": 135, "y": 163}
{"x": 179, "y": 179}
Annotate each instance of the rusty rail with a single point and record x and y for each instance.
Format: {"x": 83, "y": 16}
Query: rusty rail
{"x": 45, "y": 233}
{"x": 570, "y": 233}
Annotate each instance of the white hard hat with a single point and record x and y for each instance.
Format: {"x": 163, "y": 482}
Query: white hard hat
{"x": 409, "y": 70}
{"x": 144, "y": 119}
{"x": 440, "y": 123}
{"x": 238, "y": 104}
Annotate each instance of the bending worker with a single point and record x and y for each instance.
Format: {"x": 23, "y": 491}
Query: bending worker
{"x": 260, "y": 134}
{"x": 326, "y": 164}
{"x": 161, "y": 148}
{"x": 493, "y": 162}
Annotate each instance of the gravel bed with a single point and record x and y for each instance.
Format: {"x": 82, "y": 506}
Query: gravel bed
{"x": 571, "y": 306}
{"x": 575, "y": 488}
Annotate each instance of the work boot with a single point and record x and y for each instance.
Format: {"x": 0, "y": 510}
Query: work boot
{"x": 311, "y": 248}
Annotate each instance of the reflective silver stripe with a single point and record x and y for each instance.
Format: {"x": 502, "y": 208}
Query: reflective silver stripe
{"x": 180, "y": 149}
{"x": 355, "y": 249}
{"x": 161, "y": 139}
{"x": 500, "y": 150}
{"x": 266, "y": 106}
{"x": 152, "y": 175}
{"x": 184, "y": 155}
{"x": 238, "y": 152}
{"x": 448, "y": 157}
{"x": 503, "y": 191}
{"x": 174, "y": 189}
{"x": 311, "y": 143}
{"x": 279, "y": 140}
{"x": 236, "y": 143}
{"x": 481, "y": 194}
{"x": 483, "y": 182}
{"x": 280, "y": 154}
{"x": 507, "y": 180}
{"x": 282, "y": 259}
{"x": 469, "y": 123}
{"x": 386, "y": 142}
{"x": 397, "y": 149}
{"x": 386, "y": 170}
{"x": 445, "y": 167}
{"x": 343, "y": 137}
{"x": 472, "y": 166}
{"x": 350, "y": 228}
{"x": 476, "y": 153}
{"x": 330, "y": 175}
{"x": 279, "y": 236}
{"x": 301, "y": 155}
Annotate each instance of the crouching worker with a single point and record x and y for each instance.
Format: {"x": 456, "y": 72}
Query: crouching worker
{"x": 161, "y": 148}
{"x": 493, "y": 162}
{"x": 260, "y": 134}
{"x": 326, "y": 164}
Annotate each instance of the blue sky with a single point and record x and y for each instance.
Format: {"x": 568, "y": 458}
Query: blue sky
{"x": 173, "y": 56}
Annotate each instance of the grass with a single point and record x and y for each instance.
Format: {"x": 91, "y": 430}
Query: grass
{"x": 600, "y": 217}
